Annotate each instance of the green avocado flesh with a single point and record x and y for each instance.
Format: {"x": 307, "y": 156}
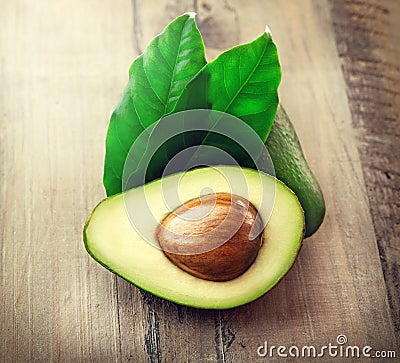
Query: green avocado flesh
{"x": 291, "y": 167}
{"x": 112, "y": 240}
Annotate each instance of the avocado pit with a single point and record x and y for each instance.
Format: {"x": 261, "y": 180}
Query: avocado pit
{"x": 214, "y": 237}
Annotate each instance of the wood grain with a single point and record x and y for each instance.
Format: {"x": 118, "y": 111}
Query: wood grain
{"x": 63, "y": 66}
{"x": 58, "y": 87}
{"x": 368, "y": 37}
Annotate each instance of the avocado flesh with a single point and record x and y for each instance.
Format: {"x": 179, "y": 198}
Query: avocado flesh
{"x": 111, "y": 239}
{"x": 291, "y": 168}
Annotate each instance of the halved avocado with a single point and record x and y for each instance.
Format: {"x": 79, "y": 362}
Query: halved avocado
{"x": 113, "y": 238}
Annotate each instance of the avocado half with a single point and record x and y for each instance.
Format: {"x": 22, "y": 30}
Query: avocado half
{"x": 112, "y": 239}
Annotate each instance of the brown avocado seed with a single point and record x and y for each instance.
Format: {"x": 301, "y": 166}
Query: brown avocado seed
{"x": 214, "y": 237}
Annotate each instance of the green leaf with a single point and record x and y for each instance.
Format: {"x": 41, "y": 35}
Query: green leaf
{"x": 242, "y": 81}
{"x": 156, "y": 81}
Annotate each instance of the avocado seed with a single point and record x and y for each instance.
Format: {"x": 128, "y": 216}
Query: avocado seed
{"x": 214, "y": 237}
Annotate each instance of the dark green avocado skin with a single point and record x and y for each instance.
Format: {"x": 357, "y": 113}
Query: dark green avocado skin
{"x": 291, "y": 167}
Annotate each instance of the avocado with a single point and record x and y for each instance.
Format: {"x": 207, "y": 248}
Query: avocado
{"x": 124, "y": 241}
{"x": 292, "y": 169}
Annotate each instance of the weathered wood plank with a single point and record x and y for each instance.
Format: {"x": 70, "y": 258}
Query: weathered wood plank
{"x": 336, "y": 286}
{"x": 368, "y": 38}
{"x": 62, "y": 69}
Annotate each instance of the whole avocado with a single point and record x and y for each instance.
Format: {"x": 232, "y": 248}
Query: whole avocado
{"x": 291, "y": 167}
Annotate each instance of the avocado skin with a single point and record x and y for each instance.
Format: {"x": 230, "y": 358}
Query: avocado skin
{"x": 291, "y": 167}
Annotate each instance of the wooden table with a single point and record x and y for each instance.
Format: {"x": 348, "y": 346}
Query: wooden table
{"x": 63, "y": 66}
